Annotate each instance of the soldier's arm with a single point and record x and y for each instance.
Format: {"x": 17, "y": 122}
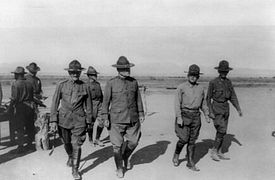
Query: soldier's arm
{"x": 204, "y": 106}
{"x": 14, "y": 93}
{"x": 89, "y": 107}
{"x": 55, "y": 103}
{"x": 99, "y": 111}
{"x": 209, "y": 97}
{"x": 178, "y": 102}
{"x": 139, "y": 104}
{"x": 106, "y": 100}
{"x": 233, "y": 99}
{"x": 1, "y": 94}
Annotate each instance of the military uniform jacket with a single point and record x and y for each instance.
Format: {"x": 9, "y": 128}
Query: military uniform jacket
{"x": 37, "y": 86}
{"x": 76, "y": 107}
{"x": 122, "y": 101}
{"x": 96, "y": 98}
{"x": 21, "y": 91}
{"x": 221, "y": 91}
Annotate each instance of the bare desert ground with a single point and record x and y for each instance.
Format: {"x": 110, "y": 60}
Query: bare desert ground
{"x": 249, "y": 144}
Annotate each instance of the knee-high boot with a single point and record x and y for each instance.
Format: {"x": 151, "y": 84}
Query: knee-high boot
{"x": 190, "y": 158}
{"x": 118, "y": 162}
{"x": 76, "y": 161}
{"x": 179, "y": 146}
{"x": 127, "y": 153}
{"x": 98, "y": 133}
{"x": 69, "y": 149}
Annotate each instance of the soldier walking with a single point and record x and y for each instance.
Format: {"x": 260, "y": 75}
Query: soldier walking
{"x": 73, "y": 116}
{"x": 189, "y": 99}
{"x": 123, "y": 112}
{"x": 220, "y": 91}
{"x": 97, "y": 98}
{"x": 23, "y": 105}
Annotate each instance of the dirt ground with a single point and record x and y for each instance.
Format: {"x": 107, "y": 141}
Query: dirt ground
{"x": 249, "y": 144}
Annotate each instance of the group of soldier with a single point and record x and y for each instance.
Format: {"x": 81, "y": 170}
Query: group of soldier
{"x": 77, "y": 106}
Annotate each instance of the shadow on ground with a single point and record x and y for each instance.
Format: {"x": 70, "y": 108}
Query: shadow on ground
{"x": 15, "y": 153}
{"x": 149, "y": 153}
{"x": 101, "y": 156}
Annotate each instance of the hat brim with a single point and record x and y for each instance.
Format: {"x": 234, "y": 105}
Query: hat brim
{"x": 221, "y": 69}
{"x": 19, "y": 73}
{"x": 193, "y": 73}
{"x": 92, "y": 73}
{"x": 68, "y": 69}
{"x": 124, "y": 66}
{"x": 31, "y": 69}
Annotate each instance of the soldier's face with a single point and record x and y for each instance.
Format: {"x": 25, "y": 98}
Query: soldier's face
{"x": 193, "y": 79}
{"x": 223, "y": 74}
{"x": 74, "y": 75}
{"x": 125, "y": 72}
{"x": 92, "y": 77}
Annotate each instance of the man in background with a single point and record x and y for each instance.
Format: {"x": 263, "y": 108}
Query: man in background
{"x": 23, "y": 105}
{"x": 35, "y": 81}
{"x": 97, "y": 98}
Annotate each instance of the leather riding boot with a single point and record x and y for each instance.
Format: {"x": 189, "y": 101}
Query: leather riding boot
{"x": 98, "y": 133}
{"x": 76, "y": 161}
{"x": 179, "y": 146}
{"x": 214, "y": 154}
{"x": 90, "y": 134}
{"x": 222, "y": 156}
{"x": 127, "y": 153}
{"x": 118, "y": 161}
{"x": 190, "y": 158}
{"x": 175, "y": 160}
{"x": 69, "y": 149}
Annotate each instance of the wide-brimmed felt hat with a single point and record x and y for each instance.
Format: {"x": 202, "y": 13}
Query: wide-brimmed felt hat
{"x": 91, "y": 71}
{"x": 224, "y": 66}
{"x": 194, "y": 70}
{"x": 32, "y": 67}
{"x": 19, "y": 70}
{"x": 74, "y": 66}
{"x": 123, "y": 62}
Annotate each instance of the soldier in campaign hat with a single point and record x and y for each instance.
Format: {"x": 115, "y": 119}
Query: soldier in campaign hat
{"x": 32, "y": 77}
{"x": 220, "y": 91}
{"x": 123, "y": 114}
{"x": 73, "y": 116}
{"x": 189, "y": 100}
{"x": 97, "y": 98}
{"x": 23, "y": 104}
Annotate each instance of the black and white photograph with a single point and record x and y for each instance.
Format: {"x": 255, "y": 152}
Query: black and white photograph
{"x": 131, "y": 90}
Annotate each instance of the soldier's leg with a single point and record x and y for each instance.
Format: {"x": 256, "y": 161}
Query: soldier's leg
{"x": 219, "y": 126}
{"x": 65, "y": 135}
{"x": 99, "y": 129}
{"x": 221, "y": 133}
{"x": 194, "y": 133}
{"x": 116, "y": 133}
{"x": 30, "y": 128}
{"x": 182, "y": 133}
{"x": 78, "y": 137}
{"x": 90, "y": 132}
{"x": 133, "y": 134}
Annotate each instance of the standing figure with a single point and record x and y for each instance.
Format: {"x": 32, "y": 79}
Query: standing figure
{"x": 73, "y": 116}
{"x": 189, "y": 99}
{"x": 35, "y": 81}
{"x": 97, "y": 98}
{"x": 220, "y": 91}
{"x": 123, "y": 113}
{"x": 23, "y": 108}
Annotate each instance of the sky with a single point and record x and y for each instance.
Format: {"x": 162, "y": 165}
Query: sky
{"x": 161, "y": 37}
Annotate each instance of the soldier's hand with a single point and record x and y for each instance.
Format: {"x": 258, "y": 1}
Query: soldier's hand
{"x": 211, "y": 115}
{"x": 106, "y": 123}
{"x": 207, "y": 119}
{"x": 179, "y": 121}
{"x": 240, "y": 113}
{"x": 89, "y": 126}
{"x": 141, "y": 119}
{"x": 54, "y": 127}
